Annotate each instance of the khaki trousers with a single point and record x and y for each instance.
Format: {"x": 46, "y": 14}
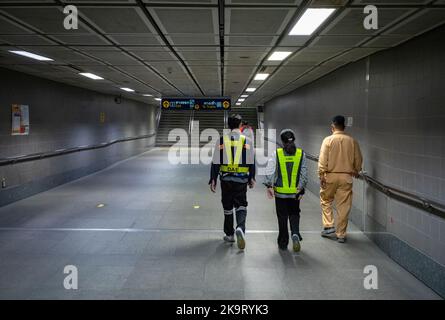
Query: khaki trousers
{"x": 338, "y": 188}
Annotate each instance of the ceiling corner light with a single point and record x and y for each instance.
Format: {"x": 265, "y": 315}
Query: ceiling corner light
{"x": 30, "y": 55}
{"x": 91, "y": 76}
{"x": 238, "y": 103}
{"x": 279, "y": 55}
{"x": 158, "y": 99}
{"x": 244, "y": 95}
{"x": 311, "y": 19}
{"x": 250, "y": 89}
{"x": 127, "y": 89}
{"x": 261, "y": 76}
{"x": 241, "y": 99}
{"x": 147, "y": 95}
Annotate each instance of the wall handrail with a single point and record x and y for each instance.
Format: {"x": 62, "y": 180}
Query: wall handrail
{"x": 409, "y": 198}
{"x": 60, "y": 152}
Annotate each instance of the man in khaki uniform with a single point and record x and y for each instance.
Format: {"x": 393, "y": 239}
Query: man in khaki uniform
{"x": 340, "y": 160}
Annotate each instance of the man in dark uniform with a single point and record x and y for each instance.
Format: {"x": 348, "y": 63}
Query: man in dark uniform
{"x": 233, "y": 161}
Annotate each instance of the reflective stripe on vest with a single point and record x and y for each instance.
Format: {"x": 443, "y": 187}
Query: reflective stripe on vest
{"x": 233, "y": 163}
{"x": 287, "y": 188}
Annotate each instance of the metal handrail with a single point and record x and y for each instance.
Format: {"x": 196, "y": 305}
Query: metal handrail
{"x": 158, "y": 117}
{"x": 60, "y": 152}
{"x": 191, "y": 119}
{"x": 412, "y": 199}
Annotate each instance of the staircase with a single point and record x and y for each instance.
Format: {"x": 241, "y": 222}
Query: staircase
{"x": 207, "y": 120}
{"x": 189, "y": 120}
{"x": 171, "y": 119}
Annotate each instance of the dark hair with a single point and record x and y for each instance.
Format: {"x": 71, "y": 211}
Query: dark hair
{"x": 234, "y": 121}
{"x": 288, "y": 139}
{"x": 339, "y": 122}
{"x": 245, "y": 123}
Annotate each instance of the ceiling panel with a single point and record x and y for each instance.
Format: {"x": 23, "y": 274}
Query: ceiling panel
{"x": 112, "y": 56}
{"x": 182, "y": 20}
{"x": 421, "y": 22}
{"x": 24, "y": 39}
{"x": 337, "y": 41}
{"x": 117, "y": 20}
{"x": 142, "y": 39}
{"x": 47, "y": 20}
{"x": 257, "y": 21}
{"x": 193, "y": 39}
{"x": 250, "y": 40}
{"x": 9, "y": 27}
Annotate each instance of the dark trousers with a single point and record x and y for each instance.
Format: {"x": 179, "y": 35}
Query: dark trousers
{"x": 234, "y": 196}
{"x": 287, "y": 209}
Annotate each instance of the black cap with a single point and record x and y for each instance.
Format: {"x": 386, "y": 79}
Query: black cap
{"x": 234, "y": 121}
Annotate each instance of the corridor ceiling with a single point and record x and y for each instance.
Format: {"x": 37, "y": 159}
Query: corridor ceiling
{"x": 200, "y": 47}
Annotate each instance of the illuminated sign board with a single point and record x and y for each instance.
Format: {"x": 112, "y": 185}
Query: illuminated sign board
{"x": 196, "y": 103}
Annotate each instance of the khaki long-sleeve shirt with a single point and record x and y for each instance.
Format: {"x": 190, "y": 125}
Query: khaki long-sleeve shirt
{"x": 339, "y": 153}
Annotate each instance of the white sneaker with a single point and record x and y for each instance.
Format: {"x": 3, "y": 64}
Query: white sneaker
{"x": 296, "y": 243}
{"x": 229, "y": 238}
{"x": 240, "y": 239}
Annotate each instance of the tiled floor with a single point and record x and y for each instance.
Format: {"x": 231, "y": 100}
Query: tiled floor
{"x": 149, "y": 242}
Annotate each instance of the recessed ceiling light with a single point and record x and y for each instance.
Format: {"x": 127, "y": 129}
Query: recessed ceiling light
{"x": 158, "y": 99}
{"x": 241, "y": 99}
{"x": 238, "y": 103}
{"x": 127, "y": 89}
{"x": 31, "y": 55}
{"x": 244, "y": 95}
{"x": 147, "y": 95}
{"x": 279, "y": 55}
{"x": 261, "y": 76}
{"x": 311, "y": 19}
{"x": 91, "y": 76}
{"x": 250, "y": 89}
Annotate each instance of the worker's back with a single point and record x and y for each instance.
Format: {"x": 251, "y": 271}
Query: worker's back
{"x": 340, "y": 153}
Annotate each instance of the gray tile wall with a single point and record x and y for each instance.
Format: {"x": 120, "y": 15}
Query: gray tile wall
{"x": 63, "y": 116}
{"x": 399, "y": 121}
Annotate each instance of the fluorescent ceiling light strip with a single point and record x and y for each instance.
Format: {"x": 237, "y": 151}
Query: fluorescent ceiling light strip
{"x": 279, "y": 55}
{"x": 147, "y": 95}
{"x": 261, "y": 76}
{"x": 30, "y": 55}
{"x": 241, "y": 100}
{"x": 244, "y": 95}
{"x": 127, "y": 89}
{"x": 238, "y": 103}
{"x": 311, "y": 19}
{"x": 250, "y": 89}
{"x": 91, "y": 76}
{"x": 158, "y": 99}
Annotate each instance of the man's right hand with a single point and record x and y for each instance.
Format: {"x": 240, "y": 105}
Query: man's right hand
{"x": 270, "y": 193}
{"x": 213, "y": 186}
{"x": 323, "y": 182}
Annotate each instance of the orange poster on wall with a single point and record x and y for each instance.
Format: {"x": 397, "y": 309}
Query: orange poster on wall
{"x": 20, "y": 120}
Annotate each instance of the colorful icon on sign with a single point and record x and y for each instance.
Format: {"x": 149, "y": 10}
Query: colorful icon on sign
{"x": 226, "y": 104}
{"x": 166, "y": 104}
{"x": 196, "y": 106}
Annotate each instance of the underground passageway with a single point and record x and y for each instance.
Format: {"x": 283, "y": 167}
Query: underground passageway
{"x": 145, "y": 228}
